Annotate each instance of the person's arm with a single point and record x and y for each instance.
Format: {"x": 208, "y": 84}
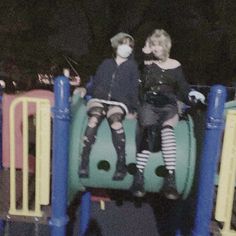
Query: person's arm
{"x": 98, "y": 75}
{"x": 142, "y": 81}
{"x": 148, "y": 56}
{"x": 188, "y": 96}
{"x": 134, "y": 88}
{"x": 183, "y": 86}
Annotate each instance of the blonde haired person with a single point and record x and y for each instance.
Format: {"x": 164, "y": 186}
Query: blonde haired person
{"x": 114, "y": 96}
{"x": 162, "y": 85}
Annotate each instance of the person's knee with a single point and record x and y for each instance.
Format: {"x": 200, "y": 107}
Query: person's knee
{"x": 115, "y": 121}
{"x": 116, "y": 125}
{"x": 95, "y": 116}
{"x": 93, "y": 121}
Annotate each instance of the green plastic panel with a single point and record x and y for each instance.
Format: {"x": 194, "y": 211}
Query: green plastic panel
{"x": 230, "y": 105}
{"x": 103, "y": 150}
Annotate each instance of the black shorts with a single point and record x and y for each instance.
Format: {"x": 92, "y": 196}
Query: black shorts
{"x": 149, "y": 114}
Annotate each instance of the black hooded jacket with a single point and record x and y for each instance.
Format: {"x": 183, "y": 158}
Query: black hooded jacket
{"x": 117, "y": 82}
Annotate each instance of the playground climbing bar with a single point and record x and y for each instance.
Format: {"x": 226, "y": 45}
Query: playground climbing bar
{"x": 61, "y": 117}
{"x": 209, "y": 159}
{"x": 84, "y": 213}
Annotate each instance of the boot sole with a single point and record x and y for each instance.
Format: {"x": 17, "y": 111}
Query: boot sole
{"x": 139, "y": 194}
{"x": 119, "y": 176}
{"x": 172, "y": 197}
{"x": 83, "y": 176}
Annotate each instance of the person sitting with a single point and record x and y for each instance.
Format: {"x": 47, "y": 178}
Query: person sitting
{"x": 163, "y": 84}
{"x": 114, "y": 94}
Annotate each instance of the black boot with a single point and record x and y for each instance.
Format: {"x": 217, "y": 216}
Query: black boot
{"x": 137, "y": 187}
{"x": 169, "y": 188}
{"x": 121, "y": 169}
{"x": 84, "y": 168}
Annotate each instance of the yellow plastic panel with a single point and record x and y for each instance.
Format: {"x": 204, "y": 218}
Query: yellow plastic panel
{"x": 42, "y": 175}
{"x": 225, "y": 194}
{"x": 43, "y": 131}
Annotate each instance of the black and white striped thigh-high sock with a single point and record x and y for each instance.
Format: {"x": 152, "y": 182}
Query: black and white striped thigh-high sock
{"x": 168, "y": 143}
{"x": 142, "y": 159}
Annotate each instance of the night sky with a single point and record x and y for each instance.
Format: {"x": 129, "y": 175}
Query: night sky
{"x": 36, "y": 34}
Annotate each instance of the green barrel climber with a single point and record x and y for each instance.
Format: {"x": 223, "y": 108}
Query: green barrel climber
{"x": 103, "y": 156}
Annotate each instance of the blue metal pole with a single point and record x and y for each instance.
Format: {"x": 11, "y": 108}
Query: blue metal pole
{"x": 2, "y": 226}
{"x": 178, "y": 233}
{"x": 209, "y": 160}
{"x": 84, "y": 213}
{"x": 61, "y": 123}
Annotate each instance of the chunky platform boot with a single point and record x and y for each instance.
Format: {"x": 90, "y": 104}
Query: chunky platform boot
{"x": 169, "y": 188}
{"x": 121, "y": 169}
{"x": 137, "y": 188}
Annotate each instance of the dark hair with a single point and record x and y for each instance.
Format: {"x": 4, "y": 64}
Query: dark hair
{"x": 125, "y": 40}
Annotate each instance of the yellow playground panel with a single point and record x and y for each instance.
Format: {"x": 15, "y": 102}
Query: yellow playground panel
{"x": 42, "y": 171}
{"x": 227, "y": 175}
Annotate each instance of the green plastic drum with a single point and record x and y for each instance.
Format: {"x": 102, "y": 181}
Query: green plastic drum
{"x": 103, "y": 150}
{"x": 230, "y": 105}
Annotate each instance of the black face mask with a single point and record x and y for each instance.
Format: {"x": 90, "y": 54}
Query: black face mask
{"x": 149, "y": 57}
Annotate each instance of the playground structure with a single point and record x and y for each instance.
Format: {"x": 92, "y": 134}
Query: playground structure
{"x": 225, "y": 196}
{"x": 65, "y": 160}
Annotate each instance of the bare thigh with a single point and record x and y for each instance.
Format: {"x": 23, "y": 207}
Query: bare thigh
{"x": 172, "y": 121}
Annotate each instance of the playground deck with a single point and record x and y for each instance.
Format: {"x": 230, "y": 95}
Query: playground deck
{"x": 5, "y": 199}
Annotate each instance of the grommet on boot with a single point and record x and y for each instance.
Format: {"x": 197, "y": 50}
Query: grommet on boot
{"x": 121, "y": 169}
{"x": 137, "y": 188}
{"x": 169, "y": 188}
{"x": 84, "y": 168}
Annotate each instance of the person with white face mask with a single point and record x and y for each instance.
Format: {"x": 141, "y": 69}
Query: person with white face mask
{"x": 124, "y": 51}
{"x": 114, "y": 95}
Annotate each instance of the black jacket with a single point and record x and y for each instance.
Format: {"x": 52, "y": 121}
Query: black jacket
{"x": 117, "y": 83}
{"x": 169, "y": 85}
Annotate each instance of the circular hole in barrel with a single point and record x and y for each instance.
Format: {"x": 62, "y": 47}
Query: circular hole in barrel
{"x": 132, "y": 169}
{"x": 103, "y": 165}
{"x": 161, "y": 171}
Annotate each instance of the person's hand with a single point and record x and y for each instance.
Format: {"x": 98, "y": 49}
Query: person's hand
{"x": 148, "y": 62}
{"x": 2, "y": 84}
{"x": 131, "y": 116}
{"x": 76, "y": 81}
{"x": 81, "y": 91}
{"x": 196, "y": 96}
{"x": 147, "y": 49}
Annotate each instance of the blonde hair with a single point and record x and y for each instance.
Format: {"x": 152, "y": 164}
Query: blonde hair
{"x": 162, "y": 38}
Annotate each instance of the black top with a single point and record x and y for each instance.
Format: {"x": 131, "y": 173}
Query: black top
{"x": 117, "y": 82}
{"x": 168, "y": 85}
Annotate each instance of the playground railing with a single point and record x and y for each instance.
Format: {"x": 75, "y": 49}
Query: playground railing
{"x": 227, "y": 175}
{"x": 42, "y": 159}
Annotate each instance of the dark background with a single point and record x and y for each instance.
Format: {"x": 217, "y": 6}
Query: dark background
{"x": 35, "y": 35}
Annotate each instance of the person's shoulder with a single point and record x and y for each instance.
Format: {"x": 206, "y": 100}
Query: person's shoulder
{"x": 173, "y": 63}
{"x": 107, "y": 60}
{"x": 132, "y": 62}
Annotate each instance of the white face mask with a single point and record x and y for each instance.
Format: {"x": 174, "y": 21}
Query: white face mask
{"x": 124, "y": 50}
